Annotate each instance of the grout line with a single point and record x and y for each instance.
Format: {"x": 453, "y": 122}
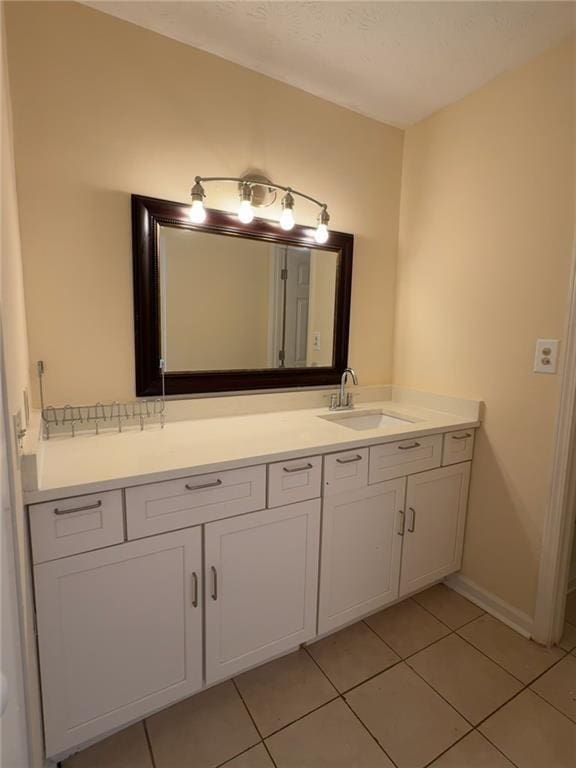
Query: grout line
{"x": 149, "y": 742}
{"x": 368, "y": 731}
{"x": 470, "y": 643}
{"x": 341, "y": 696}
{"x": 301, "y": 717}
{"x": 428, "y": 611}
{"x": 254, "y": 723}
{"x": 267, "y": 748}
{"x": 246, "y": 708}
{"x": 409, "y": 656}
{"x": 437, "y": 757}
{"x": 229, "y": 759}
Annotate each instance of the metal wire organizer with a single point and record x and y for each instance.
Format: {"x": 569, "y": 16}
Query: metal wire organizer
{"x": 70, "y": 419}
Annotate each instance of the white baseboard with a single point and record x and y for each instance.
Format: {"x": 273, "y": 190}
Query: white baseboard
{"x": 517, "y": 620}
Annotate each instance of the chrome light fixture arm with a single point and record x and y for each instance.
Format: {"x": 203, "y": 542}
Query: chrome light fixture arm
{"x": 236, "y": 180}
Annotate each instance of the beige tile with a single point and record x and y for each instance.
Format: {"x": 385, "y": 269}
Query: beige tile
{"x": 125, "y": 749}
{"x": 202, "y": 731}
{"x": 473, "y": 684}
{"x": 558, "y": 686}
{"x": 257, "y": 757}
{"x": 406, "y": 627}
{"x": 331, "y": 737}
{"x": 532, "y": 733}
{"x": 352, "y": 655}
{"x": 571, "y": 607}
{"x": 448, "y": 606}
{"x": 523, "y": 658}
{"x": 283, "y": 690}
{"x": 568, "y": 641}
{"x": 411, "y": 722}
{"x": 474, "y": 751}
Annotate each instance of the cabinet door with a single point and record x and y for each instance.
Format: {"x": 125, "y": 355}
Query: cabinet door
{"x": 435, "y": 517}
{"x": 120, "y": 634}
{"x": 261, "y": 586}
{"x": 361, "y": 546}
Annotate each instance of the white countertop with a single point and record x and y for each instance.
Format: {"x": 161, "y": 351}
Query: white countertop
{"x": 91, "y": 463}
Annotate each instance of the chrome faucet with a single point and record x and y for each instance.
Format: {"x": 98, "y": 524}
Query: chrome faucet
{"x": 342, "y": 400}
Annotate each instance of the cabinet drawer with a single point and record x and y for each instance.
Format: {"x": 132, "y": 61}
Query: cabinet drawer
{"x": 458, "y": 446}
{"x": 345, "y": 471}
{"x": 80, "y": 524}
{"x": 404, "y": 457}
{"x": 290, "y": 481}
{"x": 161, "y": 507}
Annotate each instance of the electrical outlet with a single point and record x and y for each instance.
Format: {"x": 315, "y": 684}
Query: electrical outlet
{"x": 546, "y": 357}
{"x": 316, "y": 341}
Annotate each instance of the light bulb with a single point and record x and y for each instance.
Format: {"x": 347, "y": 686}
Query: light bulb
{"x": 321, "y": 234}
{"x": 287, "y": 219}
{"x": 245, "y": 212}
{"x": 197, "y": 212}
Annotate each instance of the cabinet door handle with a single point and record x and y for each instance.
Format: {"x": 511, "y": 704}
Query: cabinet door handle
{"x": 350, "y": 460}
{"x": 402, "y": 518}
{"x": 303, "y": 468}
{"x": 214, "y": 590}
{"x": 194, "y": 589}
{"x": 412, "y": 523}
{"x": 461, "y": 437}
{"x": 213, "y": 484}
{"x": 77, "y": 509}
{"x": 408, "y": 447}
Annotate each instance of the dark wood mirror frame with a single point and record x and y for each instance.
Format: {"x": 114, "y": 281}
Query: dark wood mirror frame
{"x": 147, "y": 214}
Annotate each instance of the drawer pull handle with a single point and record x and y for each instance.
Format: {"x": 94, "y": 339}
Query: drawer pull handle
{"x": 194, "y": 589}
{"x": 213, "y": 484}
{"x": 400, "y": 530}
{"x": 461, "y": 437}
{"x": 412, "y": 523}
{"x": 408, "y": 447}
{"x": 214, "y": 590}
{"x": 303, "y": 468}
{"x": 351, "y": 460}
{"x": 87, "y": 507}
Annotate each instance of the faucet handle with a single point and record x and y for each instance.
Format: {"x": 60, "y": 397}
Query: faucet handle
{"x": 333, "y": 401}
{"x": 349, "y": 400}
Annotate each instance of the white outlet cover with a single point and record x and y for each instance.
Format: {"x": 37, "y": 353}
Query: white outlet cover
{"x": 546, "y": 356}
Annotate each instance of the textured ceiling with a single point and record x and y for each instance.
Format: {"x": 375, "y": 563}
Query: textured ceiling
{"x": 394, "y": 61}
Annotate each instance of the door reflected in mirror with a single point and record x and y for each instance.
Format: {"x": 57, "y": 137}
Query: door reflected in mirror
{"x": 237, "y": 303}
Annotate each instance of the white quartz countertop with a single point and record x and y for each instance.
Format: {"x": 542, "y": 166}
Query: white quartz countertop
{"x": 88, "y": 463}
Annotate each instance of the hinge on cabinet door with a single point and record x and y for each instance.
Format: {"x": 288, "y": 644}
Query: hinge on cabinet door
{"x": 281, "y": 355}
{"x": 284, "y": 274}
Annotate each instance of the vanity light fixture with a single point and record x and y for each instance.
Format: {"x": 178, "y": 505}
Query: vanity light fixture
{"x": 321, "y": 234}
{"x": 197, "y": 210}
{"x": 287, "y": 216}
{"x": 247, "y": 187}
{"x": 245, "y": 211}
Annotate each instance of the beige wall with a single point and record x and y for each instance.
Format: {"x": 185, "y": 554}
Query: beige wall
{"x": 103, "y": 108}
{"x": 216, "y": 307}
{"x": 484, "y": 255}
{"x": 16, "y": 572}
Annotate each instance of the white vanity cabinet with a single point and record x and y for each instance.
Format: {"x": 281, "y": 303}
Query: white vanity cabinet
{"x": 361, "y": 552}
{"x": 120, "y": 634}
{"x": 145, "y": 595}
{"x": 434, "y": 526}
{"x": 261, "y": 586}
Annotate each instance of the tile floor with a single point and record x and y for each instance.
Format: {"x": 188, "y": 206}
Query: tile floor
{"x": 432, "y": 681}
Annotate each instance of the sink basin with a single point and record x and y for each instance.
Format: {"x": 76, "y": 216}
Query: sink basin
{"x": 360, "y": 420}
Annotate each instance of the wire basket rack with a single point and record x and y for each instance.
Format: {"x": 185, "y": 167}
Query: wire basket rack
{"x": 69, "y": 420}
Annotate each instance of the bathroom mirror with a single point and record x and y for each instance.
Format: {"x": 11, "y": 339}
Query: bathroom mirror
{"x": 229, "y": 306}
